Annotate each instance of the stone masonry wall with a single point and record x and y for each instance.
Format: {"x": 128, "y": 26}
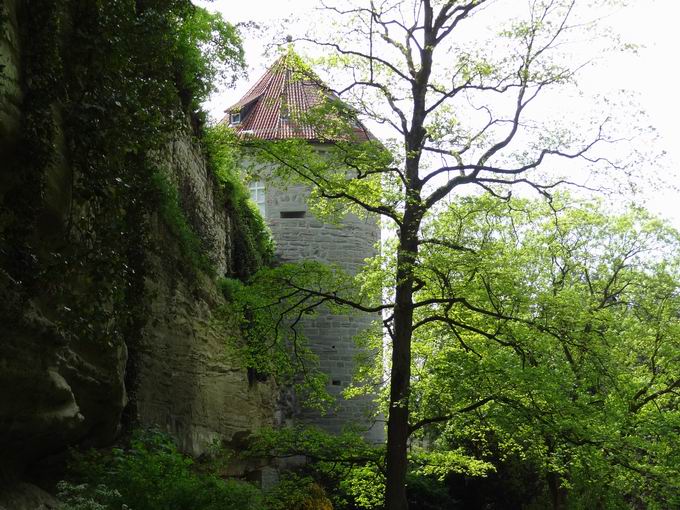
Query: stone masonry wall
{"x": 331, "y": 337}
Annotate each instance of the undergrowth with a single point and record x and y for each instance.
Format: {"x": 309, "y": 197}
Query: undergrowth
{"x": 150, "y": 474}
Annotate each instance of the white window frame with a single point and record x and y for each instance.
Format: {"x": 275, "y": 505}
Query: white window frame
{"x": 235, "y": 118}
{"x": 258, "y": 195}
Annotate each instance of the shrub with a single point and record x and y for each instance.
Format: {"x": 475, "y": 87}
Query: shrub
{"x": 151, "y": 474}
{"x": 295, "y": 492}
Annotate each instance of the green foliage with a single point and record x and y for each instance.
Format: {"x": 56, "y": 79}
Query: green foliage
{"x": 265, "y": 344}
{"x": 84, "y": 497}
{"x": 348, "y": 468}
{"x": 253, "y": 246}
{"x": 295, "y": 492}
{"x": 208, "y": 51}
{"x": 558, "y": 351}
{"x": 345, "y": 465}
{"x": 347, "y": 447}
{"x": 427, "y": 493}
{"x": 151, "y": 474}
{"x": 363, "y": 486}
{"x": 439, "y": 464}
{"x": 561, "y": 347}
{"x": 173, "y": 217}
{"x": 270, "y": 309}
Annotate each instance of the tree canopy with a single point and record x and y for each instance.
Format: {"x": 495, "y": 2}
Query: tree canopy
{"x": 564, "y": 345}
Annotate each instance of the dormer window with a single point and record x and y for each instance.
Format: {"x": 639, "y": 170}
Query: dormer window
{"x": 235, "y": 118}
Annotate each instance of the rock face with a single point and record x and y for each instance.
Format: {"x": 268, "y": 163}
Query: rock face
{"x": 198, "y": 195}
{"x": 59, "y": 390}
{"x": 10, "y": 90}
{"x": 55, "y": 392}
{"x": 187, "y": 381}
{"x": 24, "y": 496}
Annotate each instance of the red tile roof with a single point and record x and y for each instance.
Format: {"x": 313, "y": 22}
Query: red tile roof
{"x": 284, "y": 83}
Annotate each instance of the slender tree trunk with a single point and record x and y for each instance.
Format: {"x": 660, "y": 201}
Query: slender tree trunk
{"x": 400, "y": 383}
{"x": 558, "y": 495}
{"x": 398, "y": 419}
{"x": 397, "y": 436}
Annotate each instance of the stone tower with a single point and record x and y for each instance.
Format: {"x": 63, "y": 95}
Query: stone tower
{"x": 263, "y": 113}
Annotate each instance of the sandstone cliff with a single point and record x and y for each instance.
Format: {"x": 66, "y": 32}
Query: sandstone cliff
{"x": 105, "y": 321}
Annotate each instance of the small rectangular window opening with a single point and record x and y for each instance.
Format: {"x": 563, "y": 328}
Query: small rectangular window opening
{"x": 292, "y": 214}
{"x": 235, "y": 118}
{"x": 336, "y": 382}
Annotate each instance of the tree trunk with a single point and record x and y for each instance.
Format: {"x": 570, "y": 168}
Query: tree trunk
{"x": 400, "y": 383}
{"x": 557, "y": 493}
{"x": 397, "y": 422}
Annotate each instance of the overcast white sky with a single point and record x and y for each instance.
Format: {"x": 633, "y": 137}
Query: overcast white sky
{"x": 653, "y": 74}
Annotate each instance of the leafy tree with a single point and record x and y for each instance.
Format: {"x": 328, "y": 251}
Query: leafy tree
{"x": 460, "y": 115}
{"x": 567, "y": 346}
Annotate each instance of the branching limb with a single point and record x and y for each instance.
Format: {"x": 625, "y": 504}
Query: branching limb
{"x": 439, "y": 419}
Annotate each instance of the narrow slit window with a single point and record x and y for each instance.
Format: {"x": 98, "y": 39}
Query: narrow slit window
{"x": 292, "y": 214}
